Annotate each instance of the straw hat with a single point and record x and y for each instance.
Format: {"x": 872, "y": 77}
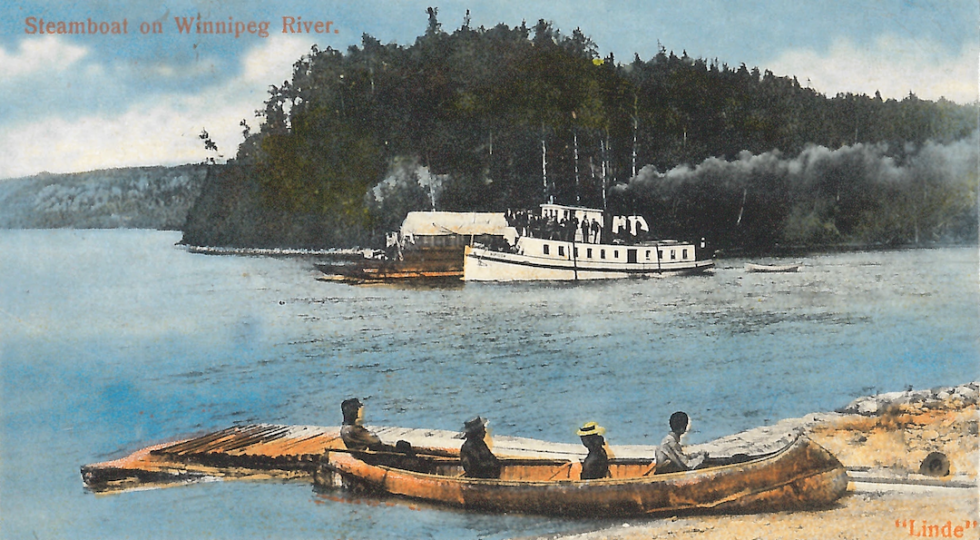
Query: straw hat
{"x": 591, "y": 428}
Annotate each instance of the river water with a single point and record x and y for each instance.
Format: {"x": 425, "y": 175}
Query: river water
{"x": 113, "y": 340}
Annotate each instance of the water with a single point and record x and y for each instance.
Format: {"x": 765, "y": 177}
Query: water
{"x": 113, "y": 340}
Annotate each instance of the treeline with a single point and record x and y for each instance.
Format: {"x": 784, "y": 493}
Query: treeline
{"x": 509, "y": 117}
{"x": 134, "y": 197}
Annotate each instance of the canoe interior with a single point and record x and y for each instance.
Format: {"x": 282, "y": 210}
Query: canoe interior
{"x": 532, "y": 469}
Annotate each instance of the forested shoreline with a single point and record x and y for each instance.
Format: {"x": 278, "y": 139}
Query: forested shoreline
{"x": 486, "y": 119}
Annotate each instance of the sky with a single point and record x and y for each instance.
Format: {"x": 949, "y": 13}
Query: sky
{"x": 136, "y": 90}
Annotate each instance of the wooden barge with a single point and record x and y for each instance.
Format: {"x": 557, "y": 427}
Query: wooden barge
{"x": 270, "y": 451}
{"x": 428, "y": 246}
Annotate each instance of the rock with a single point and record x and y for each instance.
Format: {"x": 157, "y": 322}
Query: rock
{"x": 967, "y": 393}
{"x": 919, "y": 396}
{"x": 893, "y": 397}
{"x": 935, "y": 464}
{"x": 867, "y": 408}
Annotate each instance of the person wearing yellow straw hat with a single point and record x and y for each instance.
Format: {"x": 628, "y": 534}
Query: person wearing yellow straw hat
{"x": 596, "y": 464}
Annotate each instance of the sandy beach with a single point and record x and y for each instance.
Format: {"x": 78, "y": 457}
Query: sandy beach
{"x": 883, "y": 441}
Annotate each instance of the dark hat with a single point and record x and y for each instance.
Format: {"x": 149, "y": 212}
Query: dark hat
{"x": 349, "y": 408}
{"x": 475, "y": 425}
{"x": 591, "y": 428}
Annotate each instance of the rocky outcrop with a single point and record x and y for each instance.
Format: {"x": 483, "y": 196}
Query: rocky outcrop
{"x": 908, "y": 434}
{"x": 941, "y": 397}
{"x": 895, "y": 435}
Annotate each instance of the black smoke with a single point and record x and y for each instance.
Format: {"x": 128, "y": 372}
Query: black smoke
{"x": 866, "y": 194}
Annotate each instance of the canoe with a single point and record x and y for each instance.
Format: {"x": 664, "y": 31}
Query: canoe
{"x": 802, "y": 475}
{"x": 750, "y": 267}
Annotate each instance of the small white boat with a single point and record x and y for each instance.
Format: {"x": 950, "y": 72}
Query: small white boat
{"x": 751, "y": 267}
{"x": 541, "y": 257}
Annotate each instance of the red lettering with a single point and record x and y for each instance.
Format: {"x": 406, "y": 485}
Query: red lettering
{"x": 30, "y": 25}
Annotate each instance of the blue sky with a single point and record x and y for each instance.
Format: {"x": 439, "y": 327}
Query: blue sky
{"x": 88, "y": 101}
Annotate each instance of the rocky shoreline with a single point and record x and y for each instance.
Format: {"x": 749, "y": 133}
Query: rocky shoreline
{"x": 911, "y": 455}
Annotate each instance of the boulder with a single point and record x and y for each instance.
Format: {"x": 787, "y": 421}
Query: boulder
{"x": 968, "y": 393}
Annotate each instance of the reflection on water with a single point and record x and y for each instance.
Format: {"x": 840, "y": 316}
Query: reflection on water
{"x": 112, "y": 340}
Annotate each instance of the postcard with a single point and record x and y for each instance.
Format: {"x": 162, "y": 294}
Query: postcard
{"x": 405, "y": 269}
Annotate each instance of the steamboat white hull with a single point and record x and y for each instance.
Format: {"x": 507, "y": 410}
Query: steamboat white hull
{"x": 568, "y": 261}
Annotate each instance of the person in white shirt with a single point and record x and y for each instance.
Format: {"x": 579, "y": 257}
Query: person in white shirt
{"x": 670, "y": 455}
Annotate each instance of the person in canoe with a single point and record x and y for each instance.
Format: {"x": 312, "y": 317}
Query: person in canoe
{"x": 475, "y": 455}
{"x": 359, "y": 438}
{"x": 670, "y": 455}
{"x": 596, "y": 464}
{"x": 353, "y": 433}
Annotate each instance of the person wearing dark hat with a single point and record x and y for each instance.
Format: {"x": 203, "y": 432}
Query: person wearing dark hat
{"x": 477, "y": 459}
{"x": 355, "y": 435}
{"x": 670, "y": 455}
{"x": 596, "y": 464}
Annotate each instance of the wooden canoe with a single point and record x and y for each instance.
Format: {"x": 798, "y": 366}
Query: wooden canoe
{"x": 751, "y": 267}
{"x": 800, "y": 476}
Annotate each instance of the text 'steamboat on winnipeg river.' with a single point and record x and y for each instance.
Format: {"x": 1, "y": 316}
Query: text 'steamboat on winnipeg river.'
{"x": 574, "y": 252}
{"x": 800, "y": 475}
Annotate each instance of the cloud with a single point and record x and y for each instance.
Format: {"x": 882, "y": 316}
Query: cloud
{"x": 263, "y": 65}
{"x": 158, "y": 130}
{"x": 890, "y": 65}
{"x": 40, "y": 55}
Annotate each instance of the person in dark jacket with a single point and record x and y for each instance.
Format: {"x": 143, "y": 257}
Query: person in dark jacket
{"x": 355, "y": 435}
{"x": 596, "y": 464}
{"x": 475, "y": 455}
{"x": 360, "y": 439}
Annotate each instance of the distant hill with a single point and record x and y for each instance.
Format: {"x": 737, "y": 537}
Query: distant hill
{"x": 135, "y": 197}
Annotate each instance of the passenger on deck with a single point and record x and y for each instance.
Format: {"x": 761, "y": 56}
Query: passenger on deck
{"x": 475, "y": 455}
{"x": 355, "y": 435}
{"x": 670, "y": 455}
{"x": 596, "y": 464}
